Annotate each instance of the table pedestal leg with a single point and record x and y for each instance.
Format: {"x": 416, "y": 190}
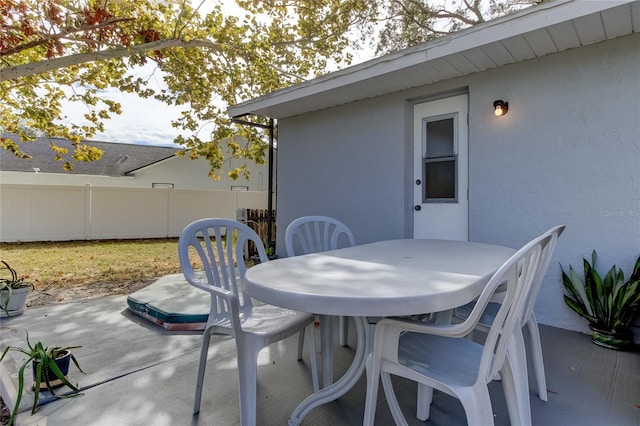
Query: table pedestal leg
{"x": 344, "y": 384}
{"x": 326, "y": 346}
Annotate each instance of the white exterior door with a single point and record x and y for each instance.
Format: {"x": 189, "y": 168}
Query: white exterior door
{"x": 441, "y": 175}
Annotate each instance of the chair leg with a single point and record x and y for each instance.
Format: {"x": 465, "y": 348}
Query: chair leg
{"x": 477, "y": 407}
{"x": 392, "y": 401}
{"x": 344, "y": 331}
{"x": 425, "y": 396}
{"x": 204, "y": 350}
{"x": 535, "y": 351}
{"x": 248, "y": 381}
{"x": 515, "y": 382}
{"x": 371, "y": 398}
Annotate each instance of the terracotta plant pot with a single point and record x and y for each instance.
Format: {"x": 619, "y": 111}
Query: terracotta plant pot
{"x": 611, "y": 340}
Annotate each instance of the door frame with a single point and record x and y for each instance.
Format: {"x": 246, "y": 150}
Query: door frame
{"x": 447, "y": 220}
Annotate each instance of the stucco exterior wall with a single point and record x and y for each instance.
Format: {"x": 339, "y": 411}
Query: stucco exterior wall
{"x": 568, "y": 152}
{"x": 346, "y": 162}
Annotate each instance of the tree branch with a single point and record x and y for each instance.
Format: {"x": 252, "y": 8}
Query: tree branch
{"x": 46, "y": 38}
{"x": 25, "y": 70}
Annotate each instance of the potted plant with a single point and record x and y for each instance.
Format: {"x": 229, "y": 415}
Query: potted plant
{"x": 13, "y": 292}
{"x": 50, "y": 367}
{"x": 609, "y": 304}
{"x": 271, "y": 254}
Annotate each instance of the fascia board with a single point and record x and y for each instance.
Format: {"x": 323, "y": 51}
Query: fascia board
{"x": 528, "y": 20}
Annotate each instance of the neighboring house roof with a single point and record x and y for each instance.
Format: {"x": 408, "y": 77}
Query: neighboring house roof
{"x": 531, "y": 33}
{"x": 118, "y": 159}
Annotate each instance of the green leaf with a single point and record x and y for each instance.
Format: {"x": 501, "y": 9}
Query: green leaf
{"x": 580, "y": 289}
{"x": 610, "y": 303}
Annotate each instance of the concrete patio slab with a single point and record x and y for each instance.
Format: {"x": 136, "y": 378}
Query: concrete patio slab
{"x": 114, "y": 342}
{"x": 139, "y": 373}
{"x": 142, "y": 374}
{"x": 162, "y": 395}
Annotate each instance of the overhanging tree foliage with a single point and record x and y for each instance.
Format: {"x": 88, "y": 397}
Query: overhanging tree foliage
{"x": 55, "y": 51}
{"x": 406, "y": 23}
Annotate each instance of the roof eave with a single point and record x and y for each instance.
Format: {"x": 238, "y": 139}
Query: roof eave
{"x": 303, "y": 97}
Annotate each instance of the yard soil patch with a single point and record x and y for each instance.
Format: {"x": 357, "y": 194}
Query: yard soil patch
{"x": 55, "y": 294}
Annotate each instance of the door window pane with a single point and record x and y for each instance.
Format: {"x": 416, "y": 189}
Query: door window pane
{"x": 440, "y": 138}
{"x": 440, "y": 181}
{"x": 440, "y": 184}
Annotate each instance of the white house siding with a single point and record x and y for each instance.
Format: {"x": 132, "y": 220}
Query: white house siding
{"x": 568, "y": 152}
{"x": 64, "y": 179}
{"x": 182, "y": 172}
{"x": 193, "y": 174}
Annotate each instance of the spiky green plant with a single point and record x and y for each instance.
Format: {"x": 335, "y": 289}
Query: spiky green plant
{"x": 45, "y": 358}
{"x": 608, "y": 304}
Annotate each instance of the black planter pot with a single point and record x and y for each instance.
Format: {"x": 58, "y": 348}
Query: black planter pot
{"x": 63, "y": 361}
{"x": 256, "y": 258}
{"x": 611, "y": 340}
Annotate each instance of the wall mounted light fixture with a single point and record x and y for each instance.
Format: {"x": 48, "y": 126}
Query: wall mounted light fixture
{"x": 500, "y": 107}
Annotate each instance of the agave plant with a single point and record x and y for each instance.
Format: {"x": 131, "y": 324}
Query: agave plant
{"x": 45, "y": 371}
{"x": 609, "y": 304}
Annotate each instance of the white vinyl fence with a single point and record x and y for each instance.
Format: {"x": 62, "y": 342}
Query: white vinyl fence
{"x": 64, "y": 213}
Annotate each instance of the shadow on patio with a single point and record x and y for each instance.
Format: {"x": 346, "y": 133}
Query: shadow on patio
{"x": 141, "y": 374}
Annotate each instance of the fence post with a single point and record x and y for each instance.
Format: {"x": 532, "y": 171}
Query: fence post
{"x": 168, "y": 207}
{"x": 87, "y": 211}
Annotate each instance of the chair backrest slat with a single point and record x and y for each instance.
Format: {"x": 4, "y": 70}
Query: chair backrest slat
{"x": 218, "y": 245}
{"x": 545, "y": 259}
{"x": 314, "y": 234}
{"x": 518, "y": 273}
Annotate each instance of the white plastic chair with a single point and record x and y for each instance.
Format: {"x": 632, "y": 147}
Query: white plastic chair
{"x": 528, "y": 320}
{"x": 313, "y": 234}
{"x": 219, "y": 244}
{"x": 438, "y": 356}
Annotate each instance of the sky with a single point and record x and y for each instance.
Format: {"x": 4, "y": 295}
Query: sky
{"x": 143, "y": 121}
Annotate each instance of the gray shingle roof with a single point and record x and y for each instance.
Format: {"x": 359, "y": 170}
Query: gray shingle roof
{"x": 118, "y": 158}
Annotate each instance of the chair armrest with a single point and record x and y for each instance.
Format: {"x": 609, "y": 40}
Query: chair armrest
{"x": 228, "y": 296}
{"x": 406, "y": 324}
{"x": 212, "y": 289}
{"x": 389, "y": 330}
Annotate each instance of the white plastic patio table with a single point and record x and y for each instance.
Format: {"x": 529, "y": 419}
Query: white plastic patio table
{"x": 385, "y": 278}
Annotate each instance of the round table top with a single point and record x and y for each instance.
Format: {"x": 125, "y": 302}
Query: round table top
{"x": 385, "y": 278}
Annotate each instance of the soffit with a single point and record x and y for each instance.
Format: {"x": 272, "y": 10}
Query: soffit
{"x": 535, "y": 32}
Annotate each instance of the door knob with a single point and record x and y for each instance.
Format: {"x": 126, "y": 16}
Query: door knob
{"x": 417, "y": 208}
{"x": 418, "y": 182}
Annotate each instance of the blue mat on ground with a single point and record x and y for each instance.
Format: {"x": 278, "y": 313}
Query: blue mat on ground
{"x": 171, "y": 302}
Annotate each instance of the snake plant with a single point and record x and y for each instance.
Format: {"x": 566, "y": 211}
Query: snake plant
{"x": 608, "y": 304}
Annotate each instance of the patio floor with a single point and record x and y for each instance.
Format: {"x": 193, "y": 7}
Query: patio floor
{"x": 142, "y": 374}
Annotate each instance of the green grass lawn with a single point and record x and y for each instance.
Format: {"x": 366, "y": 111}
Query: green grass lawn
{"x": 60, "y": 264}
